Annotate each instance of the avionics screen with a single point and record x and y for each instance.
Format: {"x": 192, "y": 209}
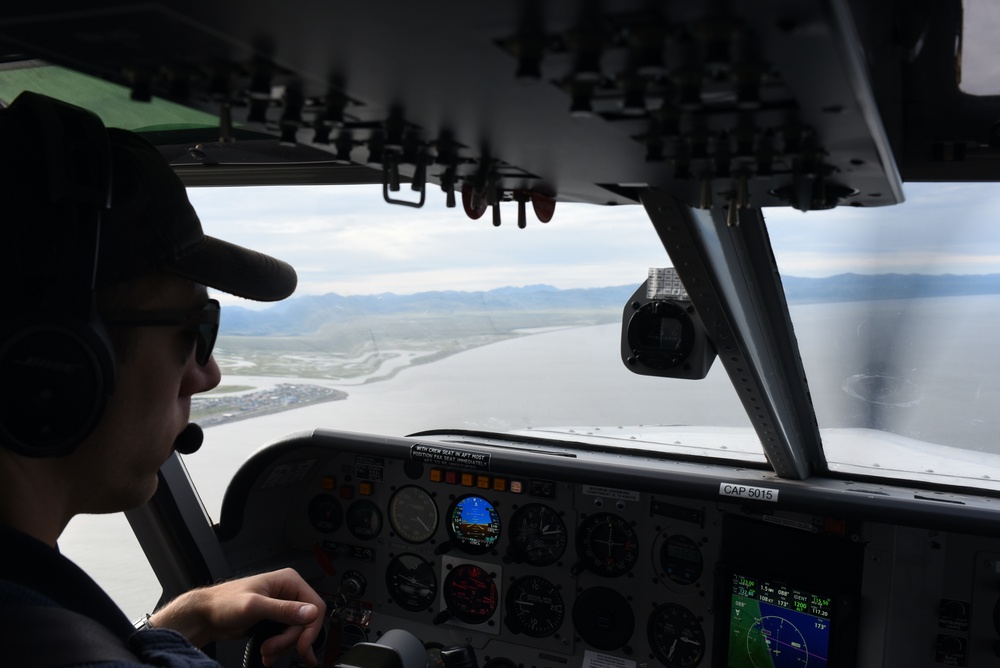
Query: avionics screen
{"x": 774, "y": 625}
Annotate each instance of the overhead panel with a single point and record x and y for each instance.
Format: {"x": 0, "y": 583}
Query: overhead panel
{"x": 756, "y": 104}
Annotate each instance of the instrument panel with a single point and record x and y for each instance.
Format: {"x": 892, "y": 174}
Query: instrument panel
{"x": 546, "y": 556}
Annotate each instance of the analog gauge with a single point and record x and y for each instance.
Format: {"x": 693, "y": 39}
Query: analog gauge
{"x": 675, "y": 636}
{"x": 325, "y": 513}
{"x": 411, "y": 582}
{"x": 470, "y": 593}
{"x": 364, "y": 519}
{"x": 534, "y": 607}
{"x": 474, "y": 524}
{"x": 680, "y": 559}
{"x": 413, "y": 514}
{"x": 607, "y": 544}
{"x": 537, "y": 535}
{"x": 603, "y": 618}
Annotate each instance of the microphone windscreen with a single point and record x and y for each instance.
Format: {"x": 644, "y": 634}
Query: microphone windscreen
{"x": 189, "y": 440}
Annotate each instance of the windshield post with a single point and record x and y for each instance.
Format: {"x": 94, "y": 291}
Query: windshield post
{"x": 732, "y": 280}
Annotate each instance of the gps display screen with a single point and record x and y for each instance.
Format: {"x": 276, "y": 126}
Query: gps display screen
{"x": 774, "y": 625}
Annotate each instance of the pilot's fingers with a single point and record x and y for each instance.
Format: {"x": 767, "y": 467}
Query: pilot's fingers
{"x": 288, "y": 586}
{"x": 227, "y": 611}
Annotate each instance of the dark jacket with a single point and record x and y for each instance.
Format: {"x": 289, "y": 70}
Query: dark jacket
{"x": 52, "y": 614}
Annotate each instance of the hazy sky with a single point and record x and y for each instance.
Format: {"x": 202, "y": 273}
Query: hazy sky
{"x": 980, "y": 68}
{"x": 346, "y": 239}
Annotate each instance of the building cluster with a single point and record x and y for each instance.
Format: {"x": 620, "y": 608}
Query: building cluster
{"x": 212, "y": 409}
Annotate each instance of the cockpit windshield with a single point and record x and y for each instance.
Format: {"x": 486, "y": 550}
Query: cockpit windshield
{"x": 413, "y": 320}
{"x": 895, "y": 311}
{"x": 424, "y": 321}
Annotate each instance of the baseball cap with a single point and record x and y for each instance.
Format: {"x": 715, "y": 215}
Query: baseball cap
{"x": 149, "y": 226}
{"x": 151, "y": 223}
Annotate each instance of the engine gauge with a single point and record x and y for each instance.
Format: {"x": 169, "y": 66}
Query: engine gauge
{"x": 534, "y": 607}
{"x": 675, "y": 636}
{"x": 411, "y": 582}
{"x": 474, "y": 524}
{"x": 413, "y": 514}
{"x": 364, "y": 519}
{"x": 607, "y": 544}
{"x": 325, "y": 513}
{"x": 470, "y": 593}
{"x": 537, "y": 535}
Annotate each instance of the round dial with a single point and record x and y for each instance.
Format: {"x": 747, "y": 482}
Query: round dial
{"x": 325, "y": 513}
{"x": 411, "y": 582}
{"x": 680, "y": 559}
{"x": 675, "y": 636}
{"x": 607, "y": 544}
{"x": 413, "y": 514}
{"x": 474, "y": 524}
{"x": 470, "y": 593}
{"x": 537, "y": 535}
{"x": 364, "y": 519}
{"x": 534, "y": 607}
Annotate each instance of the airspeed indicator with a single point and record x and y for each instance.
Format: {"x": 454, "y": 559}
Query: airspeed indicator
{"x": 413, "y": 514}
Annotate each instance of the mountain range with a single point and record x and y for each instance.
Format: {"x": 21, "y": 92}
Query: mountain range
{"x": 310, "y": 313}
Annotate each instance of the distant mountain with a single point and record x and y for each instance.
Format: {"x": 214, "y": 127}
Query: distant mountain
{"x": 864, "y": 287}
{"x": 309, "y": 314}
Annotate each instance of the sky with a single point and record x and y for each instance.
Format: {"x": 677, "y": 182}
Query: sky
{"x": 347, "y": 239}
{"x": 980, "y": 69}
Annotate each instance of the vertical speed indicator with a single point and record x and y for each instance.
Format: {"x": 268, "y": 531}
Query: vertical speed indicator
{"x": 676, "y": 637}
{"x": 534, "y": 607}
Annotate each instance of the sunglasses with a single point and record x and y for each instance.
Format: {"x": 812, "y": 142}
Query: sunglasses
{"x": 204, "y": 320}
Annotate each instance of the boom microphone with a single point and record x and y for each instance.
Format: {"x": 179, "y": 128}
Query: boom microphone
{"x": 189, "y": 440}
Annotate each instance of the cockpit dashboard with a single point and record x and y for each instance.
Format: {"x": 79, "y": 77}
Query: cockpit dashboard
{"x": 547, "y": 555}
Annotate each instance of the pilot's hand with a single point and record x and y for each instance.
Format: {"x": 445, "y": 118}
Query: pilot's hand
{"x": 227, "y": 611}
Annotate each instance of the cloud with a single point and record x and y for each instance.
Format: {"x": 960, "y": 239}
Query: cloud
{"x": 979, "y": 70}
{"x": 941, "y": 228}
{"x": 346, "y": 239}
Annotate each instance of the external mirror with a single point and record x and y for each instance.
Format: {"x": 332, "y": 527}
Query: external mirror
{"x": 661, "y": 332}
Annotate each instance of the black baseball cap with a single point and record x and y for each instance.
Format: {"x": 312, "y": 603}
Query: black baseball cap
{"x": 55, "y": 152}
{"x": 151, "y": 223}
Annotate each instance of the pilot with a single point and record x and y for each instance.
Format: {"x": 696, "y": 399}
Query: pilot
{"x": 96, "y": 380}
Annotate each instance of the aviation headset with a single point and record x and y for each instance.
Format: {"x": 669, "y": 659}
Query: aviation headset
{"x": 57, "y": 365}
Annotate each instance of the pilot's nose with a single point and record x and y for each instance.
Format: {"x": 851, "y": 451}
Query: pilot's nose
{"x": 199, "y": 378}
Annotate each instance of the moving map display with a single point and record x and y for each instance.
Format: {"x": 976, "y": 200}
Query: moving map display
{"x": 773, "y": 625}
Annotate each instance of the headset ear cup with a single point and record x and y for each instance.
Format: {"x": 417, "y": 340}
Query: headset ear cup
{"x": 55, "y": 380}
{"x": 56, "y": 362}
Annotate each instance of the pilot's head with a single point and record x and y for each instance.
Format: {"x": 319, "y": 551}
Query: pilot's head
{"x": 99, "y": 358}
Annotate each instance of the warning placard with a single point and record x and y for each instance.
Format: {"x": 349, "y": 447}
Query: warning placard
{"x": 444, "y": 456}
